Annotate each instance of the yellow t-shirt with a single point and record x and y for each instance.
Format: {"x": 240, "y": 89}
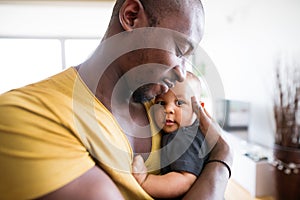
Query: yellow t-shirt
{"x": 49, "y": 132}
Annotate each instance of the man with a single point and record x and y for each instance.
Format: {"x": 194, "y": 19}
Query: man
{"x": 74, "y": 135}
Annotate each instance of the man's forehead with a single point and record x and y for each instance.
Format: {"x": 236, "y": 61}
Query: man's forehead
{"x": 161, "y": 38}
{"x": 182, "y": 89}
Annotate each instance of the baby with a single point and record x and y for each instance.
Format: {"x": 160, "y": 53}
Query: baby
{"x": 183, "y": 152}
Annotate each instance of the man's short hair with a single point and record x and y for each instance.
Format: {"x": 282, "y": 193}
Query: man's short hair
{"x": 155, "y": 9}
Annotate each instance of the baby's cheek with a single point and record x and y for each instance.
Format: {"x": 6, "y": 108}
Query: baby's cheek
{"x": 187, "y": 118}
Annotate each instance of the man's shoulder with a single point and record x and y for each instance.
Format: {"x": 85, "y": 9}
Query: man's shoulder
{"x": 46, "y": 96}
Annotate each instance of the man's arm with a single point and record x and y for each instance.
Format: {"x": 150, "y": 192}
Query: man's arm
{"x": 170, "y": 185}
{"x": 92, "y": 185}
{"x": 212, "y": 182}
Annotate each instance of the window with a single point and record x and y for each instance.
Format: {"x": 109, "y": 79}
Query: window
{"x": 78, "y": 50}
{"x": 39, "y": 39}
{"x": 24, "y": 61}
{"x": 27, "y": 60}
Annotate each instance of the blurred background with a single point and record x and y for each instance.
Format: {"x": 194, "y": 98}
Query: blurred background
{"x": 245, "y": 39}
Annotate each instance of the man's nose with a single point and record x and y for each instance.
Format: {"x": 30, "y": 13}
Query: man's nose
{"x": 180, "y": 70}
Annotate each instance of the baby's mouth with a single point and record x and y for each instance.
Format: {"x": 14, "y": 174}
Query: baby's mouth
{"x": 169, "y": 122}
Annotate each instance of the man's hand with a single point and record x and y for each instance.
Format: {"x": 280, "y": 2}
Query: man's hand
{"x": 207, "y": 125}
{"x": 212, "y": 182}
{"x": 139, "y": 169}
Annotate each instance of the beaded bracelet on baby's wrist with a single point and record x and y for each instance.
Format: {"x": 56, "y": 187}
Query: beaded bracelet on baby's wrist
{"x": 223, "y": 162}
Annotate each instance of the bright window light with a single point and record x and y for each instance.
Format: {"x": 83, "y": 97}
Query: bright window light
{"x": 24, "y": 61}
{"x": 78, "y": 50}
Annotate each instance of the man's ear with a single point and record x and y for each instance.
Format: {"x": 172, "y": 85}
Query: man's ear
{"x": 132, "y": 15}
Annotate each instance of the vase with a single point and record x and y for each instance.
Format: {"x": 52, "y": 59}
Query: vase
{"x": 287, "y": 173}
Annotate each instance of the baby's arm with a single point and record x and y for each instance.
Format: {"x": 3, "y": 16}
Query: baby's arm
{"x": 170, "y": 185}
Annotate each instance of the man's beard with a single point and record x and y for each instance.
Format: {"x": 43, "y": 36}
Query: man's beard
{"x": 143, "y": 94}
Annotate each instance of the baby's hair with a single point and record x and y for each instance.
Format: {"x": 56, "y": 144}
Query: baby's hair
{"x": 197, "y": 83}
{"x": 191, "y": 75}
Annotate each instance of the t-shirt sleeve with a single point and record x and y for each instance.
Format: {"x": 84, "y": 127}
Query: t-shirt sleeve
{"x": 37, "y": 154}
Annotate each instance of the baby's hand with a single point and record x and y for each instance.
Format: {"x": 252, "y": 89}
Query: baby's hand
{"x": 139, "y": 169}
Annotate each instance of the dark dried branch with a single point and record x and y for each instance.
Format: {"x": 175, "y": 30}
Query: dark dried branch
{"x": 286, "y": 105}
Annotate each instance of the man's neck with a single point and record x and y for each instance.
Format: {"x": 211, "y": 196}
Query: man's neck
{"x": 131, "y": 116}
{"x": 138, "y": 113}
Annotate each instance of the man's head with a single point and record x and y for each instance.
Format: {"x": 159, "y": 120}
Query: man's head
{"x": 174, "y": 108}
{"x": 157, "y": 9}
{"x": 163, "y": 53}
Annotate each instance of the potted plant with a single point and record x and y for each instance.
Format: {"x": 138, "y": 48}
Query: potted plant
{"x": 287, "y": 134}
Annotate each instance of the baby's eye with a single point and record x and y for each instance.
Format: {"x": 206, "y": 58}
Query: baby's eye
{"x": 162, "y": 103}
{"x": 179, "y": 102}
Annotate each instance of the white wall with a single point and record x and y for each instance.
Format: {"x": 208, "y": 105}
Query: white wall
{"x": 48, "y": 24}
{"x": 72, "y": 19}
{"x": 244, "y": 38}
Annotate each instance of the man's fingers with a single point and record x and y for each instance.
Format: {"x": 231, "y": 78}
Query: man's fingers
{"x": 138, "y": 165}
{"x": 209, "y": 128}
{"x": 208, "y": 115}
{"x": 195, "y": 105}
{"x": 139, "y": 170}
{"x": 201, "y": 113}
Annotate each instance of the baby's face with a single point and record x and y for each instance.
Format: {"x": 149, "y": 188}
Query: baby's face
{"x": 174, "y": 109}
